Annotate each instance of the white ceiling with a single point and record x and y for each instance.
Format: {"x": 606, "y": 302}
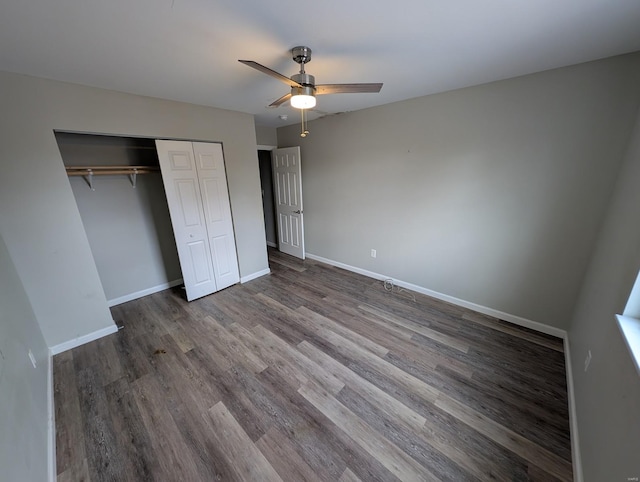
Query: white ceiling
{"x": 187, "y": 50}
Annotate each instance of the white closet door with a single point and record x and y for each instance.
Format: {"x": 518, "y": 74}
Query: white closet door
{"x": 180, "y": 177}
{"x": 217, "y": 212}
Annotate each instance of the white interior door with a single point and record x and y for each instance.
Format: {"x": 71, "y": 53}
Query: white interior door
{"x": 287, "y": 180}
{"x": 217, "y": 212}
{"x": 180, "y": 177}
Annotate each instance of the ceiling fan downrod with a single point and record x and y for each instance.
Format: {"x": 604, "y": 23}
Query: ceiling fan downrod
{"x": 302, "y": 55}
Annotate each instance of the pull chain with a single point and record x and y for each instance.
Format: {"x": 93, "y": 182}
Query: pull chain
{"x": 304, "y": 124}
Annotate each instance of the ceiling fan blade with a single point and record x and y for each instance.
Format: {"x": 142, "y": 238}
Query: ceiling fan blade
{"x": 281, "y": 100}
{"x": 272, "y": 73}
{"x": 347, "y": 88}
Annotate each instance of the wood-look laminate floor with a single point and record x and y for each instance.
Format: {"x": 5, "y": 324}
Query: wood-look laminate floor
{"x": 311, "y": 373}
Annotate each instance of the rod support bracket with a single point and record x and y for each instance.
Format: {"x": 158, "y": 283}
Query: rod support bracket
{"x": 89, "y": 179}
{"x": 134, "y": 178}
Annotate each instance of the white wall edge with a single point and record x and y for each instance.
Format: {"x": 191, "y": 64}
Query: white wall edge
{"x": 516, "y": 320}
{"x": 273, "y": 245}
{"x": 573, "y": 416}
{"x": 51, "y": 422}
{"x": 255, "y": 275}
{"x": 81, "y": 340}
{"x": 146, "y": 292}
{"x": 265, "y": 147}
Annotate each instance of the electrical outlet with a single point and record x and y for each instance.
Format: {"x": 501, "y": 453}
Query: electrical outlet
{"x": 32, "y": 358}
{"x": 374, "y": 253}
{"x": 587, "y": 361}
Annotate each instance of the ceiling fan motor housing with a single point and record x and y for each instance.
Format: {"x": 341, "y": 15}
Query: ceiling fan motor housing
{"x": 301, "y": 54}
{"x": 307, "y": 82}
{"x": 305, "y": 79}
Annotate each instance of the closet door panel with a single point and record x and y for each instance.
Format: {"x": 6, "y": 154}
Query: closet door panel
{"x": 214, "y": 209}
{"x": 217, "y": 212}
{"x": 224, "y": 254}
{"x": 187, "y": 197}
{"x": 180, "y": 177}
{"x": 199, "y": 262}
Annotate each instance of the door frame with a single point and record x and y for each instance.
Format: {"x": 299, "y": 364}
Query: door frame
{"x": 271, "y": 200}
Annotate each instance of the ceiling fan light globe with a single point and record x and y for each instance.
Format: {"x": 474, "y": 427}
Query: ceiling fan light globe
{"x": 303, "y": 101}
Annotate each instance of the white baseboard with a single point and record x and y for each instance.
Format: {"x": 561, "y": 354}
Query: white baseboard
{"x": 253, "y": 276}
{"x": 273, "y": 245}
{"x": 51, "y": 425}
{"x": 516, "y": 320}
{"x": 81, "y": 340}
{"x": 145, "y": 292}
{"x": 573, "y": 416}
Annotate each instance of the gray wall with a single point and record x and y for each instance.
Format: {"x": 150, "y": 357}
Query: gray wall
{"x": 608, "y": 394}
{"x": 266, "y": 136}
{"x": 39, "y": 218}
{"x": 129, "y": 230}
{"x": 491, "y": 194}
{"x": 23, "y": 389}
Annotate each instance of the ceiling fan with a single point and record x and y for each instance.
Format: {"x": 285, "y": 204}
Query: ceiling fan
{"x": 303, "y": 87}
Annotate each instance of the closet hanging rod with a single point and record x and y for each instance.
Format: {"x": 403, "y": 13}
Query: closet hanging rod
{"x": 88, "y": 172}
{"x": 109, "y": 170}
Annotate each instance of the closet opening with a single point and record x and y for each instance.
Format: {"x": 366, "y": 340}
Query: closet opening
{"x": 125, "y": 215}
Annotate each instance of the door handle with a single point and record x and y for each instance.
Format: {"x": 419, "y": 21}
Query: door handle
{"x": 297, "y": 212}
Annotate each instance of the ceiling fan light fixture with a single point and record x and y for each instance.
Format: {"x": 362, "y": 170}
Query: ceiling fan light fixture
{"x": 303, "y": 101}
{"x": 303, "y": 97}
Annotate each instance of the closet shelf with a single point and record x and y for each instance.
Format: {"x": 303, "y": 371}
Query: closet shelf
{"x": 109, "y": 170}
{"x": 89, "y": 171}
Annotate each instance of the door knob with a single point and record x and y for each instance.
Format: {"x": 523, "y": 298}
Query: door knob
{"x": 297, "y": 212}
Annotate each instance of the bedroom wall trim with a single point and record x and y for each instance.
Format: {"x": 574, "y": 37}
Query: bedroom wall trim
{"x": 573, "y": 418}
{"x": 81, "y": 340}
{"x": 257, "y": 274}
{"x": 517, "y": 320}
{"x": 145, "y": 292}
{"x": 51, "y": 425}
